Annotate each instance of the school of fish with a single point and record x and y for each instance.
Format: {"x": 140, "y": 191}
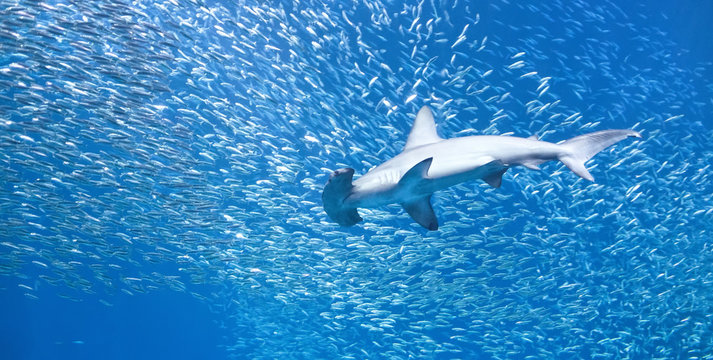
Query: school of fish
{"x": 184, "y": 144}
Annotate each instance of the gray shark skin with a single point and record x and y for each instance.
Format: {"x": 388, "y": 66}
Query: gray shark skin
{"x": 429, "y": 163}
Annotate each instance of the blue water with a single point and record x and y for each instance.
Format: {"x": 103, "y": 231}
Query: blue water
{"x": 158, "y": 325}
{"x": 161, "y": 169}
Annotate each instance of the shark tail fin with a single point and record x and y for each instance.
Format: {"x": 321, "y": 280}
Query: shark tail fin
{"x": 335, "y": 192}
{"x": 578, "y": 150}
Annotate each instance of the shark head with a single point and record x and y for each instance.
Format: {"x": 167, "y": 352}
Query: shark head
{"x": 337, "y": 189}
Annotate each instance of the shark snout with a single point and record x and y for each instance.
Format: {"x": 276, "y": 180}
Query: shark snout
{"x": 339, "y": 172}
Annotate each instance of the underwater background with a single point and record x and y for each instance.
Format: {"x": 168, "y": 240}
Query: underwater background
{"x": 162, "y": 162}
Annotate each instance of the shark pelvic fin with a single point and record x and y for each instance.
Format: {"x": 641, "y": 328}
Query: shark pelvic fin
{"x": 338, "y": 188}
{"x": 495, "y": 179}
{"x": 423, "y": 131}
{"x": 421, "y": 211}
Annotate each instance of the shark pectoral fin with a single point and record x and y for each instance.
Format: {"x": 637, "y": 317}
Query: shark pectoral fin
{"x": 420, "y": 209}
{"x": 422, "y": 212}
{"x": 335, "y": 192}
{"x": 495, "y": 179}
{"x": 416, "y": 174}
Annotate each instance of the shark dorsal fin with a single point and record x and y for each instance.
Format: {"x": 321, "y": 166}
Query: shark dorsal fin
{"x": 423, "y": 131}
{"x": 421, "y": 211}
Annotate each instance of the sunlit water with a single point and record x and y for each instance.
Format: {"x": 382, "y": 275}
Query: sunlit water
{"x": 162, "y": 166}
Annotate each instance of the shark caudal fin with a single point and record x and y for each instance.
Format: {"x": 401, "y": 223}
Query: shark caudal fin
{"x": 338, "y": 188}
{"x": 578, "y": 150}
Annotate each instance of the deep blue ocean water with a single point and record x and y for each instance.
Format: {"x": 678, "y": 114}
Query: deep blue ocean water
{"x": 161, "y": 169}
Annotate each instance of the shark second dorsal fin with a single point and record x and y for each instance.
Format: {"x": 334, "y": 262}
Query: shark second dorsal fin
{"x": 423, "y": 131}
{"x": 421, "y": 211}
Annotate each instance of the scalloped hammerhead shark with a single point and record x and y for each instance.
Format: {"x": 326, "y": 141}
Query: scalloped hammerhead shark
{"x": 429, "y": 163}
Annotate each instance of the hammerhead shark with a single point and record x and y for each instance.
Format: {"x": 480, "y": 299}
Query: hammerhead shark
{"x": 429, "y": 163}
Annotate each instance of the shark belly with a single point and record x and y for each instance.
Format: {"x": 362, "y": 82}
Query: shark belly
{"x": 381, "y": 185}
